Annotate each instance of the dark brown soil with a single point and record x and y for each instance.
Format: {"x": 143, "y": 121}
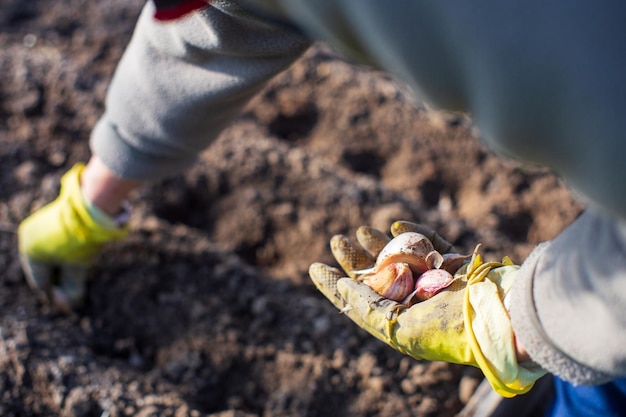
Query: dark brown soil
{"x": 206, "y": 309}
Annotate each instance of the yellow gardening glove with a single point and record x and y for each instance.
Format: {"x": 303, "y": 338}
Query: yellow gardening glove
{"x": 466, "y": 323}
{"x": 59, "y": 242}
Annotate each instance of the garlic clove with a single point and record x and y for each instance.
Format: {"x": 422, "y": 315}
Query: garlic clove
{"x": 394, "y": 281}
{"x": 431, "y": 282}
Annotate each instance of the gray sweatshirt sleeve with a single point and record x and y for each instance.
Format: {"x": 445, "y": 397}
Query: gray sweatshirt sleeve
{"x": 542, "y": 80}
{"x": 181, "y": 82}
{"x": 544, "y": 83}
{"x": 568, "y": 304}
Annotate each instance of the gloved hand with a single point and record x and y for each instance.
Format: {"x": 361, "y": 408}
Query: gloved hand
{"x": 59, "y": 242}
{"x": 466, "y": 323}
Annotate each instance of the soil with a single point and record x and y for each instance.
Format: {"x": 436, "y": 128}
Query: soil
{"x": 206, "y": 309}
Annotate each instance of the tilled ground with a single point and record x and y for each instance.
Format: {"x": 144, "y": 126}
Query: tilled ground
{"x": 206, "y": 309}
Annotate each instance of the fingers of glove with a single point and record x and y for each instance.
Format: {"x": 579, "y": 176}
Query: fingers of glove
{"x": 363, "y": 306}
{"x": 71, "y": 291}
{"x": 64, "y": 287}
{"x": 373, "y": 313}
{"x": 325, "y": 279}
{"x": 350, "y": 256}
{"x": 432, "y": 329}
{"x": 441, "y": 245}
{"x": 372, "y": 240}
{"x": 38, "y": 276}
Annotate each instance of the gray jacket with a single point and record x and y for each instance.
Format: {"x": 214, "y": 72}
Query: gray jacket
{"x": 542, "y": 80}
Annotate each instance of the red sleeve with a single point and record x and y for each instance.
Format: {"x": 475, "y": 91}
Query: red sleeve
{"x": 174, "y": 9}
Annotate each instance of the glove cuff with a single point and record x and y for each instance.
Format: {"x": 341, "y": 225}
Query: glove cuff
{"x": 489, "y": 328}
{"x": 106, "y": 221}
{"x": 97, "y": 227}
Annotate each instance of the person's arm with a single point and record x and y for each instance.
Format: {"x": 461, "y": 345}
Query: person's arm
{"x": 180, "y": 82}
{"x": 101, "y": 187}
{"x": 520, "y": 351}
{"x": 543, "y": 83}
{"x": 568, "y": 305}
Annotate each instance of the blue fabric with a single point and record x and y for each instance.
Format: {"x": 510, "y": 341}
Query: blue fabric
{"x": 607, "y": 400}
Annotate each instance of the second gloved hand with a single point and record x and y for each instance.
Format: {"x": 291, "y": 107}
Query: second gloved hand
{"x": 466, "y": 323}
{"x": 59, "y": 243}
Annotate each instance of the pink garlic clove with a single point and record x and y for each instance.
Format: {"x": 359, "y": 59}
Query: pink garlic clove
{"x": 431, "y": 282}
{"x": 394, "y": 281}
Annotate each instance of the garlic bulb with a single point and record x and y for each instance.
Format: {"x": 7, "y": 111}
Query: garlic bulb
{"x": 412, "y": 248}
{"x": 405, "y": 257}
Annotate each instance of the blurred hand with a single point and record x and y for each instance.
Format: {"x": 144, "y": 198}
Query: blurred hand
{"x": 59, "y": 242}
{"x": 466, "y": 323}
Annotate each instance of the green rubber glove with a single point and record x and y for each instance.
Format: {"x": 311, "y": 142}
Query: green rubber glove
{"x": 466, "y": 323}
{"x": 59, "y": 242}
